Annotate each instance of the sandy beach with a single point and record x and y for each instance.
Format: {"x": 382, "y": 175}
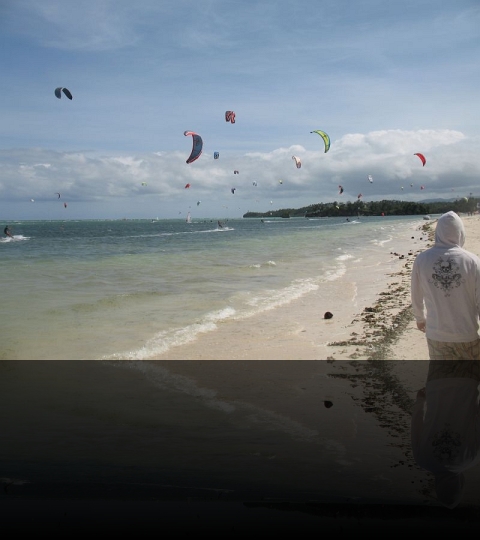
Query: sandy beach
{"x": 382, "y": 327}
{"x": 233, "y": 446}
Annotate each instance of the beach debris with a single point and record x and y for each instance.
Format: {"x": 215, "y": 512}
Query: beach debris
{"x": 66, "y": 91}
{"x": 328, "y": 404}
{"x": 197, "y": 145}
{"x": 328, "y": 315}
{"x": 325, "y": 137}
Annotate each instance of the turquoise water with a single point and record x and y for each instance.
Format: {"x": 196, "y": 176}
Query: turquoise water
{"x": 100, "y": 289}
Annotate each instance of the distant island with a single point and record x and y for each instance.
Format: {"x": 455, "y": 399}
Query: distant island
{"x": 373, "y": 208}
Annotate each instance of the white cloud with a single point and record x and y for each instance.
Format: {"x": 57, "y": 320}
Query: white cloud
{"x": 452, "y": 161}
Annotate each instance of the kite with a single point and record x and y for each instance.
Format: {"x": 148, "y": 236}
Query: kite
{"x": 236, "y": 172}
{"x": 422, "y": 187}
{"x": 65, "y": 204}
{"x": 230, "y": 117}
{"x": 56, "y": 193}
{"x": 198, "y": 202}
{"x": 233, "y": 190}
{"x": 340, "y": 190}
{"x": 197, "y": 145}
{"x": 66, "y": 91}
{"x": 325, "y": 137}
{"x": 280, "y": 181}
{"x": 144, "y": 183}
{"x": 216, "y": 155}
{"x": 254, "y": 183}
{"x": 359, "y": 196}
{"x": 422, "y": 158}
{"x": 187, "y": 186}
{"x": 298, "y": 163}
{"x": 370, "y": 179}
{"x": 32, "y": 200}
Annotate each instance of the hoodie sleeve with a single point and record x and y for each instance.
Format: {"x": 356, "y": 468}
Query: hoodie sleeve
{"x": 417, "y": 294}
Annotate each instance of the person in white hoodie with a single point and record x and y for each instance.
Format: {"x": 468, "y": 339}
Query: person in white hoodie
{"x": 445, "y": 293}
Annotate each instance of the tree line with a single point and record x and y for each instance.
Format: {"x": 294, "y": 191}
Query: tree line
{"x": 372, "y": 208}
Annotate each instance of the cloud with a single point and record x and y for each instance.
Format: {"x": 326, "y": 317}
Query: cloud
{"x": 387, "y": 155}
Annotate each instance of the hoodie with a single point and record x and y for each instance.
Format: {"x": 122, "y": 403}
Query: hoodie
{"x": 445, "y": 285}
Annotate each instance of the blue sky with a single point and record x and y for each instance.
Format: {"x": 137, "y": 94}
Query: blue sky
{"x": 384, "y": 79}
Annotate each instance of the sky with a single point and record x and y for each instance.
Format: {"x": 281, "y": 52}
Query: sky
{"x": 384, "y": 80}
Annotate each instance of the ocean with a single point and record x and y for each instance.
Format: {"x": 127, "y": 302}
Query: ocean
{"x": 134, "y": 289}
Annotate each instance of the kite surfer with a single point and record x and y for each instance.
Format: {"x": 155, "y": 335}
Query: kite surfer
{"x": 7, "y": 232}
{"x": 220, "y": 224}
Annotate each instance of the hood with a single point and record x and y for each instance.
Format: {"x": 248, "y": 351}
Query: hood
{"x": 449, "y": 488}
{"x": 449, "y": 231}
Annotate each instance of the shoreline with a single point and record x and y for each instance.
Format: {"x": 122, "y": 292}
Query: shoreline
{"x": 390, "y": 319}
{"x": 370, "y": 322}
{"x": 389, "y": 331}
{"x": 382, "y": 328}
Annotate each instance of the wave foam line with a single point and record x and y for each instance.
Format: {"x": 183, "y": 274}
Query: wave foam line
{"x": 164, "y": 341}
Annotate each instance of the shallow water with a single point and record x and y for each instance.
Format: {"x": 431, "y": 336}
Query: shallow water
{"x": 133, "y": 289}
